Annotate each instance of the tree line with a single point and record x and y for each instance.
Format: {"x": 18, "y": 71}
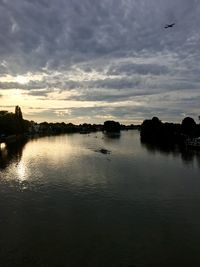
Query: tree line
{"x": 14, "y": 124}
{"x": 155, "y": 131}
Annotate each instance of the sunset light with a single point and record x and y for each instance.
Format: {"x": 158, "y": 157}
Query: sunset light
{"x": 21, "y": 79}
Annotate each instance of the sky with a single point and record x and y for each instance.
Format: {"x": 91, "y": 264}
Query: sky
{"x": 92, "y": 61}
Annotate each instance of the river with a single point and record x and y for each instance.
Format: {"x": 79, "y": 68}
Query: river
{"x": 64, "y": 203}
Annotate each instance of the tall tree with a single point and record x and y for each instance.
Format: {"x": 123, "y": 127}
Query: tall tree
{"x": 188, "y": 126}
{"x": 18, "y": 113}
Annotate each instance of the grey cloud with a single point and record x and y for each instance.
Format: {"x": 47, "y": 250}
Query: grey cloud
{"x": 28, "y": 86}
{"x": 38, "y": 34}
{"x": 39, "y": 93}
{"x": 123, "y": 41}
{"x": 143, "y": 69}
{"x": 116, "y": 83}
{"x": 125, "y": 112}
{"x": 112, "y": 95}
{"x": 102, "y": 97}
{"x": 11, "y": 85}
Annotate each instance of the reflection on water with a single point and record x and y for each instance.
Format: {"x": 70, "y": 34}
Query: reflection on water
{"x": 2, "y": 146}
{"x": 64, "y": 204}
{"x": 11, "y": 153}
{"x": 188, "y": 155}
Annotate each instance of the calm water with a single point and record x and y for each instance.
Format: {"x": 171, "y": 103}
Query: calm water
{"x": 62, "y": 203}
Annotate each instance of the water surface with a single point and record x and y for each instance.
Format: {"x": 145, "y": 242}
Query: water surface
{"x": 63, "y": 203}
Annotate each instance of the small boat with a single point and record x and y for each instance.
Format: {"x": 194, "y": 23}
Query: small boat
{"x": 103, "y": 151}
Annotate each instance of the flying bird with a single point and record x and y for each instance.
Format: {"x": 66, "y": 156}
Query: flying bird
{"x": 169, "y": 25}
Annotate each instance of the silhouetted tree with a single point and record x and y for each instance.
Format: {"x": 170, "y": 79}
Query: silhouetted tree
{"x": 154, "y": 131}
{"x": 151, "y": 130}
{"x": 188, "y": 126}
{"x": 111, "y": 126}
{"x": 156, "y": 121}
{"x": 13, "y": 123}
{"x": 18, "y": 113}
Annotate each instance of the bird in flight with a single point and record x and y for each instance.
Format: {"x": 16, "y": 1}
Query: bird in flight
{"x": 169, "y": 25}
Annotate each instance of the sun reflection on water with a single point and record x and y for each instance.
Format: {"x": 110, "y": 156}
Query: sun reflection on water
{"x": 2, "y": 146}
{"x": 22, "y": 172}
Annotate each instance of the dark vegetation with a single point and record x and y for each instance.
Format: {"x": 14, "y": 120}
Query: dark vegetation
{"x": 13, "y": 152}
{"x": 152, "y": 131}
{"x": 156, "y": 132}
{"x": 111, "y": 126}
{"x": 13, "y": 124}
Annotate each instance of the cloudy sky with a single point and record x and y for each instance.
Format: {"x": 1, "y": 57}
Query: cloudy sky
{"x": 90, "y": 60}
